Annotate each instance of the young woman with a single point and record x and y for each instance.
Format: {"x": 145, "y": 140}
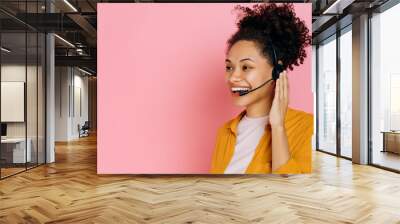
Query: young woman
{"x": 266, "y": 137}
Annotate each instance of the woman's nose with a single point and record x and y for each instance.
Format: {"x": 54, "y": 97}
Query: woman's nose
{"x": 236, "y": 76}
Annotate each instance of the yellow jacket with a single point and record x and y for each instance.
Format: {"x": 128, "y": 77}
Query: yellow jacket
{"x": 299, "y": 130}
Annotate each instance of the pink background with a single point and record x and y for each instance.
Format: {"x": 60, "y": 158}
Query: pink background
{"x": 161, "y": 89}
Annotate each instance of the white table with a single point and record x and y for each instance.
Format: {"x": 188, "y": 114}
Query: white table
{"x": 18, "y": 144}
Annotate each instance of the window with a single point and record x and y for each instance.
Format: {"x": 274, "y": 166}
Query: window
{"x": 327, "y": 95}
{"x": 346, "y": 92}
{"x": 385, "y": 89}
{"x": 22, "y": 78}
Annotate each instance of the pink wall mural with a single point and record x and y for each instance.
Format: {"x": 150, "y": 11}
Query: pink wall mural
{"x": 161, "y": 88}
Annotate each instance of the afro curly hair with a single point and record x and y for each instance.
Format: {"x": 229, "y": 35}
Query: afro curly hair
{"x": 273, "y": 27}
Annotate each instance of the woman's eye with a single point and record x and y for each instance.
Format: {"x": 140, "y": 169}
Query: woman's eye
{"x": 228, "y": 68}
{"x": 245, "y": 67}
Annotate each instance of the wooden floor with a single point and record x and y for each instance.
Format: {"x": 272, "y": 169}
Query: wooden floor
{"x": 5, "y": 172}
{"x": 388, "y": 159}
{"x": 69, "y": 191}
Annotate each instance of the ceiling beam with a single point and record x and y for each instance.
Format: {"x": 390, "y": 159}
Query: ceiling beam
{"x": 84, "y": 61}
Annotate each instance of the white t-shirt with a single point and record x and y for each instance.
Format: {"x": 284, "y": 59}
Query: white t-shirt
{"x": 249, "y": 132}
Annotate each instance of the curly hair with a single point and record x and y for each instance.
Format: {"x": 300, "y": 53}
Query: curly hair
{"x": 276, "y": 25}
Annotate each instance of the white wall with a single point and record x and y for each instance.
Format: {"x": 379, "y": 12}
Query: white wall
{"x": 62, "y": 81}
{"x": 79, "y": 117}
{"x": 71, "y": 87}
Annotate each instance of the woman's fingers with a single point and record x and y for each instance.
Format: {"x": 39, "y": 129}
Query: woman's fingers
{"x": 285, "y": 87}
{"x": 277, "y": 89}
{"x": 282, "y": 83}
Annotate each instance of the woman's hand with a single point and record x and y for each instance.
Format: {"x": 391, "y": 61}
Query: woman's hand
{"x": 280, "y": 102}
{"x": 280, "y": 144}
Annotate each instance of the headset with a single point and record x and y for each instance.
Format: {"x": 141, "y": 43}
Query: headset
{"x": 278, "y": 68}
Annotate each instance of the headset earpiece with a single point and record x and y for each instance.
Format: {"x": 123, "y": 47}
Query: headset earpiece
{"x": 278, "y": 67}
{"x": 276, "y": 71}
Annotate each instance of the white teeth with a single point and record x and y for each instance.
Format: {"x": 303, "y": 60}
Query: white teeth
{"x": 239, "y": 88}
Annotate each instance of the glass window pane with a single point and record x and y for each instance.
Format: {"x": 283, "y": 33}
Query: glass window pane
{"x": 13, "y": 86}
{"x": 346, "y": 94}
{"x": 32, "y": 94}
{"x": 22, "y": 88}
{"x": 31, "y": 85}
{"x": 327, "y": 96}
{"x": 41, "y": 98}
{"x": 385, "y": 84}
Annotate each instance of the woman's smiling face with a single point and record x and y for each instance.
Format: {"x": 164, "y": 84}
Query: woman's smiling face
{"x": 247, "y": 68}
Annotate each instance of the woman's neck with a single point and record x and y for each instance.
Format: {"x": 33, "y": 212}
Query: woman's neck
{"x": 259, "y": 109}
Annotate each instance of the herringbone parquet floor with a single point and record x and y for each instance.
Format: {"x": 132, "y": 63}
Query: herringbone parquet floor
{"x": 70, "y": 191}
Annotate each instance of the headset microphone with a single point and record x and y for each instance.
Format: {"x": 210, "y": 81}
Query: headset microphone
{"x": 244, "y": 92}
{"x": 278, "y": 68}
